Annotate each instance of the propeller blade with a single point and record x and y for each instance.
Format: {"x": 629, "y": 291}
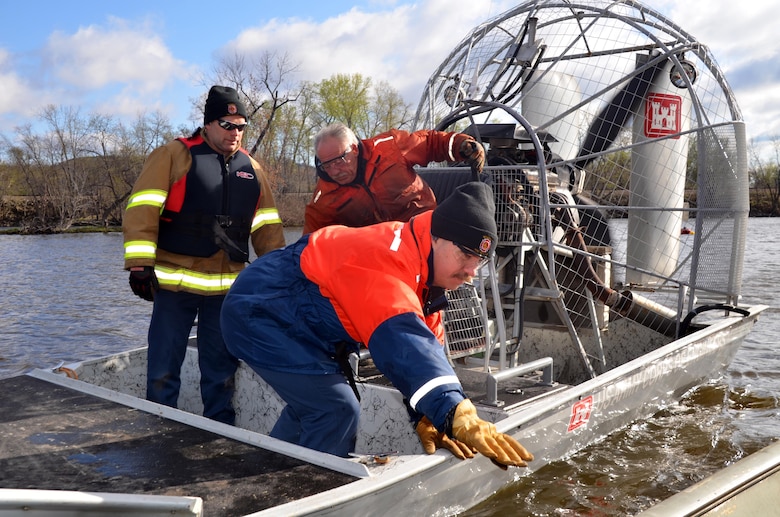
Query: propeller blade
{"x": 606, "y": 126}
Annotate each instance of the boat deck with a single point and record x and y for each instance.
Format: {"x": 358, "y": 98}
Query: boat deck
{"x": 56, "y": 438}
{"x": 513, "y": 393}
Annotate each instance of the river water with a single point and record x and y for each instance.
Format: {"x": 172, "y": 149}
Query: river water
{"x": 66, "y": 298}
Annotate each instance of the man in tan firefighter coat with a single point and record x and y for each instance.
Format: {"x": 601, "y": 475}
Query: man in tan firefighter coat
{"x": 195, "y": 206}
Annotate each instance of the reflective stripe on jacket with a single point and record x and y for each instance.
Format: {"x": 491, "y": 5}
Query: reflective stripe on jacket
{"x": 215, "y": 195}
{"x": 289, "y": 310}
{"x": 180, "y": 269}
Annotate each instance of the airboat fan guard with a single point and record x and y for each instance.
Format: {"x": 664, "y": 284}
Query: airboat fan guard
{"x": 617, "y": 155}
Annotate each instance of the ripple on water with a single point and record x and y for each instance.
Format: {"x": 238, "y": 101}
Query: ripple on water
{"x": 649, "y": 461}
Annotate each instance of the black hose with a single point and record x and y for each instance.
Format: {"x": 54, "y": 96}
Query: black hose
{"x": 686, "y": 322}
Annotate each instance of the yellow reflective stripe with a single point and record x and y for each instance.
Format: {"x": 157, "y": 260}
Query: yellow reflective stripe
{"x": 207, "y": 282}
{"x": 265, "y": 216}
{"x": 151, "y": 197}
{"x": 140, "y": 249}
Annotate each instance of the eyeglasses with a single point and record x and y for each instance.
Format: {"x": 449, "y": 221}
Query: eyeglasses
{"x": 229, "y": 126}
{"x": 470, "y": 253}
{"x": 329, "y": 164}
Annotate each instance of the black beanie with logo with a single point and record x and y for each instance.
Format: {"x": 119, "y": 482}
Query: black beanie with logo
{"x": 221, "y": 101}
{"x": 468, "y": 217}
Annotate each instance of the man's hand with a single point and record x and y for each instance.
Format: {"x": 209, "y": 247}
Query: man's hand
{"x": 143, "y": 282}
{"x": 482, "y": 436}
{"x": 432, "y": 439}
{"x": 473, "y": 153}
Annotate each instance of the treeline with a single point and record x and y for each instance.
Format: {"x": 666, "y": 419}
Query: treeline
{"x": 765, "y": 183}
{"x": 607, "y": 180}
{"x": 75, "y": 167}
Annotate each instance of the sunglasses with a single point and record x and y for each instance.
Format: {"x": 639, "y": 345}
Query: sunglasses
{"x": 229, "y": 126}
{"x": 470, "y": 253}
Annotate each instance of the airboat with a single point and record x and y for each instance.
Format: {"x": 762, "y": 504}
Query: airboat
{"x": 606, "y": 127}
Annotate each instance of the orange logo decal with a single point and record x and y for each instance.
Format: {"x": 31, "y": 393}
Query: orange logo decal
{"x": 484, "y": 245}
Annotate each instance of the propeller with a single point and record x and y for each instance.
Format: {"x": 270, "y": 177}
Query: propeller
{"x": 614, "y": 116}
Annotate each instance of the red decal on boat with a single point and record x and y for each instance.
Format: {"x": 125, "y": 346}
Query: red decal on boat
{"x": 580, "y": 413}
{"x": 663, "y": 113}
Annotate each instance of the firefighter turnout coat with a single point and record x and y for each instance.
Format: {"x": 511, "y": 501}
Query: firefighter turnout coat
{"x": 191, "y": 213}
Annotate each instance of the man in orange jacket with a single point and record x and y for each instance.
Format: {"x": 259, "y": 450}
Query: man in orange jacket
{"x": 378, "y": 285}
{"x": 362, "y": 182}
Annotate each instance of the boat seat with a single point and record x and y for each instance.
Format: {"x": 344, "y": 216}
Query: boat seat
{"x": 444, "y": 181}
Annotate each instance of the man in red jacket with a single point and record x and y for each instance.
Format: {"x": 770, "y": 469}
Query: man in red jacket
{"x": 364, "y": 182}
{"x": 288, "y": 313}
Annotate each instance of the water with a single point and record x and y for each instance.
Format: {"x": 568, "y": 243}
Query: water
{"x": 66, "y": 298}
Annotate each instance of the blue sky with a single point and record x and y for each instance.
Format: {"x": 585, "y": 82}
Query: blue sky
{"x": 122, "y": 58}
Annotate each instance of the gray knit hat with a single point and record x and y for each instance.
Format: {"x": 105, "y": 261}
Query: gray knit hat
{"x": 468, "y": 217}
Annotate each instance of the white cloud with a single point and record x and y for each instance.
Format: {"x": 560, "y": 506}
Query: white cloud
{"x": 402, "y": 45}
{"x": 20, "y": 95}
{"x": 744, "y": 43}
{"x": 121, "y": 67}
{"x": 12, "y": 86}
{"x": 96, "y": 56}
{"x": 733, "y": 31}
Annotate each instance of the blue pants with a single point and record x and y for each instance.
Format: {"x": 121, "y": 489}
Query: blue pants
{"x": 321, "y": 413}
{"x": 172, "y": 318}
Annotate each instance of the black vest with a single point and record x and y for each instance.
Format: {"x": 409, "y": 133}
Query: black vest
{"x": 212, "y": 206}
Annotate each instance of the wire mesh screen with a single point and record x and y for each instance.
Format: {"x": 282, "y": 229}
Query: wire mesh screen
{"x": 463, "y": 322}
{"x": 617, "y": 156}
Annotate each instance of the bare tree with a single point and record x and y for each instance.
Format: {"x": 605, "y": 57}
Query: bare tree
{"x": 264, "y": 83}
{"x": 51, "y": 167}
{"x": 287, "y": 151}
{"x": 82, "y": 167}
{"x": 120, "y": 151}
{"x": 387, "y": 110}
{"x": 765, "y": 177}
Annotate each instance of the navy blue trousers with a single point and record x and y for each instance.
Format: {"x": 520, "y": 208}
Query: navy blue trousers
{"x": 321, "y": 413}
{"x": 172, "y": 318}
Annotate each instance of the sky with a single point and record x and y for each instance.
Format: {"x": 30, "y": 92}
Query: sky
{"x": 139, "y": 56}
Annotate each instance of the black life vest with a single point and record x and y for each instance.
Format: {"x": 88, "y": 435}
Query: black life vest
{"x": 212, "y": 206}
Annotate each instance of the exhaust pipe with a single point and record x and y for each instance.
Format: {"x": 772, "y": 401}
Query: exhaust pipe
{"x": 647, "y": 313}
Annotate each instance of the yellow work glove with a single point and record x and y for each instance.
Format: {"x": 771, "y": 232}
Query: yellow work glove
{"x": 482, "y": 436}
{"x": 431, "y": 439}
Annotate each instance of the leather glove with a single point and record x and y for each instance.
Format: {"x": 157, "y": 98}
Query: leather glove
{"x": 143, "y": 282}
{"x": 432, "y": 439}
{"x": 482, "y": 436}
{"x": 473, "y": 153}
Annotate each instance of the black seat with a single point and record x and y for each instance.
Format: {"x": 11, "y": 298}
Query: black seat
{"x": 443, "y": 181}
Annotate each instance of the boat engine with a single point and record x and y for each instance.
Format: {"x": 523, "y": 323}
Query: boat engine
{"x": 513, "y": 169}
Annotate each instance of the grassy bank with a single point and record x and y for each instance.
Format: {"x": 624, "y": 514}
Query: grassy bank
{"x": 17, "y": 216}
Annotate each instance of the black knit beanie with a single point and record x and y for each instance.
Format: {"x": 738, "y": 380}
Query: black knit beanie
{"x": 222, "y": 100}
{"x": 468, "y": 217}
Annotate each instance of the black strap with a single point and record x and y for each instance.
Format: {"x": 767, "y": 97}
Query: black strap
{"x": 223, "y": 240}
{"x": 342, "y": 357}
